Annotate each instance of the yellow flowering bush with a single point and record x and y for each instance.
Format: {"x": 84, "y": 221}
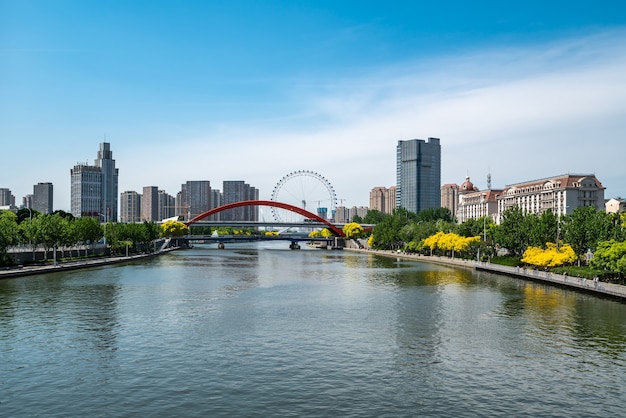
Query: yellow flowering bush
{"x": 551, "y": 256}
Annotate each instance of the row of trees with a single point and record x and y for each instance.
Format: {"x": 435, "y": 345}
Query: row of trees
{"x": 549, "y": 236}
{"x": 63, "y": 231}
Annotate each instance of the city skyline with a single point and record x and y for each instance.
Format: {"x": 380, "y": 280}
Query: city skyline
{"x": 254, "y": 91}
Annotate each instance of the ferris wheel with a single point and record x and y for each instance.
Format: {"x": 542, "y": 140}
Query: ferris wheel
{"x": 307, "y": 190}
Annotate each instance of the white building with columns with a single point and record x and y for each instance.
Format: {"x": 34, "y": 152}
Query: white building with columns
{"x": 561, "y": 194}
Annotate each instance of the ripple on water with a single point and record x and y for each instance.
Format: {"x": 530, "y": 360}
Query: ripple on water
{"x": 268, "y": 332}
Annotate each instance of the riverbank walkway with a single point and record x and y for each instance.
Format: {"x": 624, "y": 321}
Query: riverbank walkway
{"x": 585, "y": 285}
{"x": 51, "y": 267}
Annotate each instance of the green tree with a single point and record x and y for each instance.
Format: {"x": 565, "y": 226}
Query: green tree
{"x": 513, "y": 231}
{"x": 543, "y": 228}
{"x": 373, "y": 216}
{"x": 50, "y": 231}
{"x": 434, "y": 214}
{"x": 26, "y": 214}
{"x": 86, "y": 230}
{"x": 617, "y": 226}
{"x": 417, "y": 231}
{"x": 611, "y": 256}
{"x": 152, "y": 231}
{"x": 387, "y": 232}
{"x": 582, "y": 229}
{"x": 9, "y": 233}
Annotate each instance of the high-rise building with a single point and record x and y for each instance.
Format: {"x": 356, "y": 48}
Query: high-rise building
{"x": 238, "y": 191}
{"x": 216, "y": 202}
{"x": 383, "y": 199}
{"x": 42, "y": 197}
{"x": 6, "y": 198}
{"x": 27, "y": 201}
{"x": 342, "y": 214}
{"x": 194, "y": 198}
{"x": 86, "y": 196}
{"x": 94, "y": 188}
{"x": 109, "y": 181}
{"x": 166, "y": 205}
{"x": 130, "y": 207}
{"x": 418, "y": 174}
{"x": 150, "y": 203}
{"x": 360, "y": 211}
{"x": 450, "y": 197}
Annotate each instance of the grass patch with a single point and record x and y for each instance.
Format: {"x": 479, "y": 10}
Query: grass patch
{"x": 508, "y": 260}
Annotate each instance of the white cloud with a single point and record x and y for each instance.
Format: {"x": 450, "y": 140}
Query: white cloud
{"x": 521, "y": 113}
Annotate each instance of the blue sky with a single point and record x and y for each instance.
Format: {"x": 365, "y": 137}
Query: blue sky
{"x": 253, "y": 90}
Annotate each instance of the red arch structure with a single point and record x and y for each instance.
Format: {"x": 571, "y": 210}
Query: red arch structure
{"x": 309, "y": 215}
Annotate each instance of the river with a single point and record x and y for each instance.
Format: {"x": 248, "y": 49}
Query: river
{"x": 259, "y": 330}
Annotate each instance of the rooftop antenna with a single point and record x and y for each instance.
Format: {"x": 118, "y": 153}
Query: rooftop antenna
{"x": 489, "y": 180}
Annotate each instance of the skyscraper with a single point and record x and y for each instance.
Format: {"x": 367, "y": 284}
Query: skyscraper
{"x": 194, "y": 198}
{"x": 238, "y": 191}
{"x": 42, "y": 197}
{"x": 86, "y": 197}
{"x": 130, "y": 207}
{"x": 150, "y": 203}
{"x": 109, "y": 181}
{"x": 167, "y": 206}
{"x": 418, "y": 174}
{"x": 6, "y": 198}
{"x": 94, "y": 188}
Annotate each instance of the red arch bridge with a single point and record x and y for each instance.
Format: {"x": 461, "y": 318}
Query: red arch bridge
{"x": 311, "y": 220}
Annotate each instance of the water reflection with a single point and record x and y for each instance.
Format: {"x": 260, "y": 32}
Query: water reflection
{"x": 565, "y": 318}
{"x": 268, "y": 331}
{"x": 54, "y": 301}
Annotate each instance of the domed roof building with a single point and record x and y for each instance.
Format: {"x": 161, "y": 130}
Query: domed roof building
{"x": 467, "y": 186}
{"x": 474, "y": 204}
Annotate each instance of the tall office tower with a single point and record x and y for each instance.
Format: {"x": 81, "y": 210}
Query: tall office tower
{"x": 150, "y": 203}
{"x": 86, "y": 195}
{"x": 167, "y": 205}
{"x": 42, "y": 197}
{"x": 130, "y": 207}
{"x": 106, "y": 163}
{"x": 6, "y": 198}
{"x": 418, "y": 174}
{"x": 194, "y": 198}
{"x": 94, "y": 187}
{"x": 238, "y": 191}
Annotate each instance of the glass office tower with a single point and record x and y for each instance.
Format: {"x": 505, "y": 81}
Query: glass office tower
{"x": 418, "y": 174}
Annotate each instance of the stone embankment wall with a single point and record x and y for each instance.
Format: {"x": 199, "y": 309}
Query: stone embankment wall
{"x": 51, "y": 267}
{"x": 591, "y": 286}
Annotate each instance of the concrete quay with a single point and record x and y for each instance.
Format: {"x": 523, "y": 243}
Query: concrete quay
{"x": 585, "y": 285}
{"x": 31, "y": 270}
